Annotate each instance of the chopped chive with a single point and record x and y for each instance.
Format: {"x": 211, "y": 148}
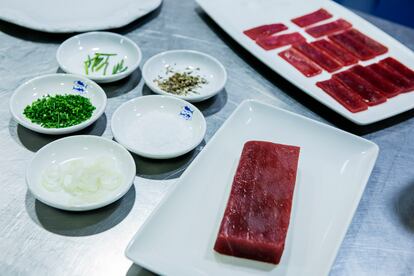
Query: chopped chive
{"x": 59, "y": 110}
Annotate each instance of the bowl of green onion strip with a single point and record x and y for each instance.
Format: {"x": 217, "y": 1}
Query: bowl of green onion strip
{"x": 57, "y": 103}
{"x": 100, "y": 56}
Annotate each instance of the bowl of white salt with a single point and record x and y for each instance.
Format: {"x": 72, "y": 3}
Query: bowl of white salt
{"x": 158, "y": 127}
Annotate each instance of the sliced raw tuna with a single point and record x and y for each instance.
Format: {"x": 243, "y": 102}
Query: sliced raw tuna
{"x": 256, "y": 219}
{"x": 375, "y": 46}
{"x": 369, "y": 94}
{"x": 342, "y": 94}
{"x": 355, "y": 47}
{"x": 340, "y": 54}
{"x": 318, "y": 56}
{"x": 311, "y": 18}
{"x": 380, "y": 83}
{"x": 276, "y": 41}
{"x": 392, "y": 76}
{"x": 390, "y": 62}
{"x": 265, "y": 30}
{"x": 306, "y": 66}
{"x": 329, "y": 28}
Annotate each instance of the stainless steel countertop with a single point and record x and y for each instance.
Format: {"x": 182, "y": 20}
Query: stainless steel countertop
{"x": 38, "y": 240}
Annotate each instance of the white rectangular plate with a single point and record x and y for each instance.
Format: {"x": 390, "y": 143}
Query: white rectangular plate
{"x": 334, "y": 167}
{"x": 235, "y": 16}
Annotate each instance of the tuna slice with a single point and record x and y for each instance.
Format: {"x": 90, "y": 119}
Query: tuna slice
{"x": 369, "y": 94}
{"x": 276, "y": 41}
{"x": 328, "y": 28}
{"x": 392, "y": 76}
{"x": 375, "y": 46}
{"x": 318, "y": 56}
{"x": 385, "y": 87}
{"x": 311, "y": 18}
{"x": 340, "y": 54}
{"x": 265, "y": 30}
{"x": 349, "y": 99}
{"x": 357, "y": 48}
{"x": 256, "y": 219}
{"x": 300, "y": 62}
{"x": 395, "y": 65}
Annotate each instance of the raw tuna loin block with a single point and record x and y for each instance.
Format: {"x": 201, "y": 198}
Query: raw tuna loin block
{"x": 311, "y": 18}
{"x": 257, "y": 215}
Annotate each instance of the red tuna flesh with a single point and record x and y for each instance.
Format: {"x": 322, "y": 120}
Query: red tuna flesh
{"x": 311, "y": 18}
{"x": 394, "y": 64}
{"x": 355, "y": 47}
{"x": 276, "y": 41}
{"x": 256, "y": 219}
{"x": 384, "y": 86}
{"x": 328, "y": 28}
{"x": 360, "y": 86}
{"x": 318, "y": 56}
{"x": 300, "y": 62}
{"x": 347, "y": 98}
{"x": 375, "y": 46}
{"x": 265, "y": 30}
{"x": 392, "y": 76}
{"x": 340, "y": 54}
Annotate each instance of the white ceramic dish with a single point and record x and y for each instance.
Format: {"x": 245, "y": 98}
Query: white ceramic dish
{"x": 180, "y": 61}
{"x": 334, "y": 167}
{"x": 73, "y": 52}
{"x": 74, "y": 147}
{"x": 54, "y": 84}
{"x": 235, "y": 16}
{"x": 158, "y": 127}
{"x": 76, "y": 16}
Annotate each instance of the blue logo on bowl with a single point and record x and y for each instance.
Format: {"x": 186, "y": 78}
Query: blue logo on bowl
{"x": 80, "y": 86}
{"x": 187, "y": 113}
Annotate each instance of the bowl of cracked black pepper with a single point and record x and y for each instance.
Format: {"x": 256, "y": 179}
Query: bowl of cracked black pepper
{"x": 189, "y": 75}
{"x": 57, "y": 103}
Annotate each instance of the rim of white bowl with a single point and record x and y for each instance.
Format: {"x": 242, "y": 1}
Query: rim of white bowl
{"x": 57, "y": 131}
{"x": 118, "y": 76}
{"x": 199, "y": 98}
{"x": 159, "y": 156}
{"x": 89, "y": 206}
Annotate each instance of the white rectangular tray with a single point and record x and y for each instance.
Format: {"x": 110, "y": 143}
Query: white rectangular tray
{"x": 235, "y": 16}
{"x": 334, "y": 167}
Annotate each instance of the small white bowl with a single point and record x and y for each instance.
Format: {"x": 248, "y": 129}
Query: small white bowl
{"x": 73, "y": 147}
{"x": 55, "y": 84}
{"x": 158, "y": 127}
{"x": 73, "y": 52}
{"x": 179, "y": 60}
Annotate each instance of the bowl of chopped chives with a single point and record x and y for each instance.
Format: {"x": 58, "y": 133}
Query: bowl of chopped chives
{"x": 189, "y": 75}
{"x": 57, "y": 103}
{"x": 99, "y": 56}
